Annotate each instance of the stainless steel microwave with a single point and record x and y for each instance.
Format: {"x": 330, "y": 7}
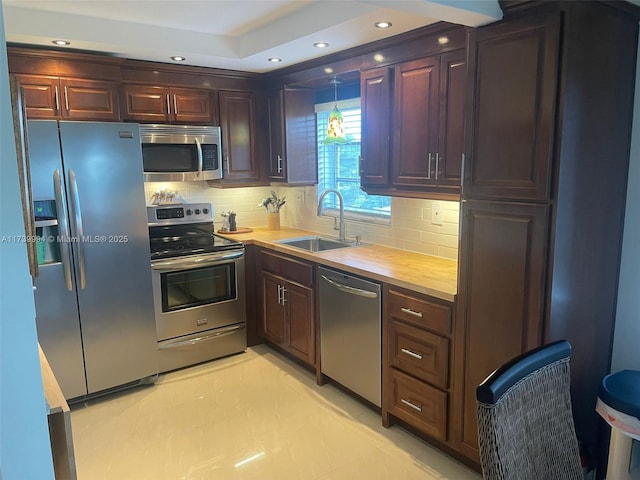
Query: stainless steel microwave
{"x": 181, "y": 153}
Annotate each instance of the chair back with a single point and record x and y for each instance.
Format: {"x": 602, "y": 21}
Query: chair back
{"x": 525, "y": 422}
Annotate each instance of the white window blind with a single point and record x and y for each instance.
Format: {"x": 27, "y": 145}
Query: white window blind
{"x": 338, "y": 164}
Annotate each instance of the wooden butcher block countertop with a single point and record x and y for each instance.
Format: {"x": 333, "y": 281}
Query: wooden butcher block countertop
{"x": 426, "y": 274}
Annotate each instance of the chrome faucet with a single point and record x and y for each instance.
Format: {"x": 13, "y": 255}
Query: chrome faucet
{"x": 341, "y": 202}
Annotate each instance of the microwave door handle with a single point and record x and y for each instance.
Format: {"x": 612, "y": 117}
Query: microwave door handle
{"x": 199, "y": 148}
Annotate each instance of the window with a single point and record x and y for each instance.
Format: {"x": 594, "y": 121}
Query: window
{"x": 338, "y": 166}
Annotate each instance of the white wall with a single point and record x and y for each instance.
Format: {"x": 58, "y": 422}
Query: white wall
{"x": 410, "y": 229}
{"x": 627, "y": 330}
{"x": 25, "y": 453}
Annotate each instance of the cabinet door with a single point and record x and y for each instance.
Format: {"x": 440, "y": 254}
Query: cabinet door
{"x": 375, "y": 98}
{"x": 300, "y": 142}
{"x": 453, "y": 75}
{"x": 238, "y": 121}
{"x": 299, "y": 308}
{"x": 41, "y": 95}
{"x": 511, "y": 109}
{"x": 146, "y": 104}
{"x": 69, "y": 98}
{"x": 502, "y": 277}
{"x": 273, "y": 319}
{"x": 190, "y": 105}
{"x": 277, "y": 164}
{"x": 292, "y": 135}
{"x": 89, "y": 100}
{"x": 415, "y": 122}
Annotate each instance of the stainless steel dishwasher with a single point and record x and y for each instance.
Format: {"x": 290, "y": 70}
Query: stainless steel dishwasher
{"x": 350, "y": 332}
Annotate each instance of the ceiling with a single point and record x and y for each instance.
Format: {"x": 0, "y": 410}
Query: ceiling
{"x": 230, "y": 34}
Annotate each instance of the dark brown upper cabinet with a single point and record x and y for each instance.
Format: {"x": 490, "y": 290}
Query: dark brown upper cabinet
{"x": 51, "y": 97}
{"x": 453, "y": 81}
{"x": 156, "y": 104}
{"x": 292, "y": 136}
{"x": 509, "y": 140}
{"x": 413, "y": 127}
{"x": 415, "y": 122}
{"x": 375, "y": 98}
{"x": 239, "y": 138}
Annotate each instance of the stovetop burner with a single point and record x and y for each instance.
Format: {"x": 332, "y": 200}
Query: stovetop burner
{"x": 179, "y": 240}
{"x": 170, "y": 234}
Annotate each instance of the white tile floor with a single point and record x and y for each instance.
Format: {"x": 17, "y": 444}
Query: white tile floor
{"x": 250, "y": 416}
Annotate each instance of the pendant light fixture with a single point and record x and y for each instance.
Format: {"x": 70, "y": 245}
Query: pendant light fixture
{"x": 335, "y": 129}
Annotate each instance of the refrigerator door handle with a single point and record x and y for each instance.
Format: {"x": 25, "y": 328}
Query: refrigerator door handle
{"x": 24, "y": 172}
{"x": 63, "y": 228}
{"x": 75, "y": 198}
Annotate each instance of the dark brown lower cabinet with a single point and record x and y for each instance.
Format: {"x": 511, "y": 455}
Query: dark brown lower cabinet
{"x": 273, "y": 318}
{"x": 501, "y": 300}
{"x": 287, "y": 305}
{"x": 416, "y": 355}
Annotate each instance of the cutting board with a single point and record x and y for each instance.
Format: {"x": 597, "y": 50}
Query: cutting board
{"x": 239, "y": 230}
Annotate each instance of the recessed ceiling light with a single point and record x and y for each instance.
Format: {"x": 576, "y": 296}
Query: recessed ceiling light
{"x": 378, "y": 57}
{"x": 61, "y": 42}
{"x": 443, "y": 40}
{"x": 382, "y": 24}
{"x": 178, "y": 58}
{"x": 321, "y": 44}
{"x": 275, "y": 60}
{"x": 328, "y": 70}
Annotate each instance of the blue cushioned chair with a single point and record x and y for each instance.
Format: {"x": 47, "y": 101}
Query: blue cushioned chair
{"x": 525, "y": 424}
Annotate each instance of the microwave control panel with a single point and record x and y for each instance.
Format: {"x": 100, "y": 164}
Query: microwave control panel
{"x": 210, "y": 157}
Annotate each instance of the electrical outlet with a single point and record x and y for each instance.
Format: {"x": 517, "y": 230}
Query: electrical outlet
{"x": 300, "y": 198}
{"x": 436, "y": 214}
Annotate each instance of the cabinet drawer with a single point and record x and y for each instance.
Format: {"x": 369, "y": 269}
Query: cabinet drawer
{"x": 419, "y": 353}
{"x": 418, "y": 404}
{"x": 419, "y": 312}
{"x": 289, "y": 268}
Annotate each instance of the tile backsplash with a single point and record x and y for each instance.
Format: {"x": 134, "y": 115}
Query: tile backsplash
{"x": 410, "y": 228}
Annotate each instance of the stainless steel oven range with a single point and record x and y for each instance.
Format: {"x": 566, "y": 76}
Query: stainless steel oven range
{"x": 198, "y": 286}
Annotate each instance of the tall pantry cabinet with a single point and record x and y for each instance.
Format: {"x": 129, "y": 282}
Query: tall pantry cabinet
{"x": 547, "y": 136}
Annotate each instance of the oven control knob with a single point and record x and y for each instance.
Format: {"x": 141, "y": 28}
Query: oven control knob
{"x": 189, "y": 212}
{"x": 197, "y": 211}
{"x": 205, "y": 210}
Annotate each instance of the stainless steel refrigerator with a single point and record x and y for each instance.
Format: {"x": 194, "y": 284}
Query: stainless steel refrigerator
{"x": 93, "y": 297}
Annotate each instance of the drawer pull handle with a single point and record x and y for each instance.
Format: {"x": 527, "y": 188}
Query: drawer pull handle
{"x": 411, "y": 404}
{"x": 412, "y": 312}
{"x": 412, "y": 354}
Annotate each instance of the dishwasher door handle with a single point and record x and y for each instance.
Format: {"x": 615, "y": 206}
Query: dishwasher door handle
{"x": 352, "y": 290}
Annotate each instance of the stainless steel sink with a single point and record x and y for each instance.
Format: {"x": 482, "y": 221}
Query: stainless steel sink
{"x": 315, "y": 244}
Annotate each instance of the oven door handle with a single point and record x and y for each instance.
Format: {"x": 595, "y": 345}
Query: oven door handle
{"x": 196, "y": 261}
{"x": 192, "y": 341}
